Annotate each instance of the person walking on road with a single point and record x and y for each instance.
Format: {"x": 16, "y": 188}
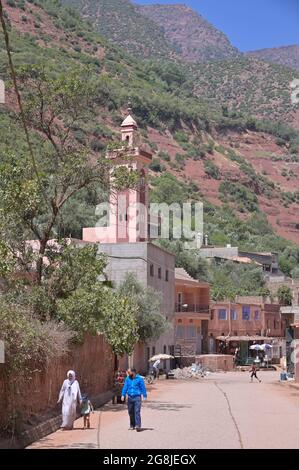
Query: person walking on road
{"x": 86, "y": 409}
{"x": 69, "y": 395}
{"x": 253, "y": 371}
{"x": 156, "y": 366}
{"x": 134, "y": 387}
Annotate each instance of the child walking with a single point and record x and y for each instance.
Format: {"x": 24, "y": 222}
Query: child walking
{"x": 253, "y": 371}
{"x": 86, "y": 409}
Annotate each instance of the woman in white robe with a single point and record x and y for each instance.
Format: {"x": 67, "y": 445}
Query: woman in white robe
{"x": 70, "y": 395}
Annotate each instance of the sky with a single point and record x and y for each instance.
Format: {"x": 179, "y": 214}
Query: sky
{"x": 249, "y": 24}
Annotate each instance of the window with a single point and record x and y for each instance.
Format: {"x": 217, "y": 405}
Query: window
{"x": 276, "y": 325}
{"x": 257, "y": 315}
{"x": 212, "y": 314}
{"x": 153, "y": 350}
{"x": 148, "y": 352}
{"x": 152, "y": 270}
{"x": 222, "y": 314}
{"x": 234, "y": 315}
{"x": 268, "y": 324}
{"x": 166, "y": 275}
{"x": 246, "y": 312}
{"x": 191, "y": 332}
{"x": 164, "y": 349}
{"x": 159, "y": 273}
{"x": 180, "y": 332}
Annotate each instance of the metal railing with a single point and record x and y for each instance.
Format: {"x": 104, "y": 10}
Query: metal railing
{"x": 181, "y": 308}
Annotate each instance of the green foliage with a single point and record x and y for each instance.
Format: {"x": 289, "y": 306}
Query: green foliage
{"x": 164, "y": 156}
{"x": 28, "y": 342}
{"x": 119, "y": 323}
{"x": 289, "y": 259}
{"x": 230, "y": 279}
{"x": 123, "y": 24}
{"x": 157, "y": 166}
{"x": 188, "y": 259}
{"x": 167, "y": 189}
{"x": 240, "y": 195}
{"x": 150, "y": 321}
{"x": 248, "y": 87}
{"x": 212, "y": 170}
{"x": 285, "y": 295}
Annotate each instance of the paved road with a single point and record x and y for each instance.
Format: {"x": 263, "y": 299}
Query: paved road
{"x": 221, "y": 411}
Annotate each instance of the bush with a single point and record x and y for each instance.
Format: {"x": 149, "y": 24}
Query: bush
{"x": 238, "y": 193}
{"x": 157, "y": 166}
{"x": 212, "y": 170}
{"x": 30, "y": 343}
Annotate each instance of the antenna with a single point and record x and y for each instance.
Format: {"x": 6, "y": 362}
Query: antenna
{"x": 129, "y": 106}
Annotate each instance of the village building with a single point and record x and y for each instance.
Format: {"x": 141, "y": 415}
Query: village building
{"x": 192, "y": 298}
{"x": 126, "y": 239}
{"x": 268, "y": 261}
{"x": 244, "y": 322}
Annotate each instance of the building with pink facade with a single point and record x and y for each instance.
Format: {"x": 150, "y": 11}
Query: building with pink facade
{"x": 126, "y": 239}
{"x": 244, "y": 322}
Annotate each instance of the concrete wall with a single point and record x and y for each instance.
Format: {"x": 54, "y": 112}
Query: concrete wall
{"x": 125, "y": 258}
{"x": 219, "y": 252}
{"x": 165, "y": 261}
{"x": 137, "y": 258}
{"x": 93, "y": 363}
{"x": 215, "y": 362}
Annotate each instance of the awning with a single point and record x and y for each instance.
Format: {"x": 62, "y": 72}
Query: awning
{"x": 246, "y": 338}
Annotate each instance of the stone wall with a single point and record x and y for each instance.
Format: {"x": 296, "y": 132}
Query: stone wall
{"x": 93, "y": 363}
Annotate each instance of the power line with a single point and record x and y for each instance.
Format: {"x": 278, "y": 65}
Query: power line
{"x": 19, "y": 100}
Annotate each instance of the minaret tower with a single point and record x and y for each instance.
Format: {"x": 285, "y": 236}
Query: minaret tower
{"x": 128, "y": 214}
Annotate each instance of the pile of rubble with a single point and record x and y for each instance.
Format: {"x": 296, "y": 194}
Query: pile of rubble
{"x": 191, "y": 372}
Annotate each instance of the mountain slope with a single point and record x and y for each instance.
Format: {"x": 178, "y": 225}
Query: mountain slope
{"x": 194, "y": 38}
{"x": 247, "y": 167}
{"x": 287, "y": 55}
{"x": 121, "y": 22}
{"x": 241, "y": 83}
{"x": 250, "y": 86}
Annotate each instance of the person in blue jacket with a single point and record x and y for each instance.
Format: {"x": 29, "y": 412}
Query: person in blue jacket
{"x": 134, "y": 387}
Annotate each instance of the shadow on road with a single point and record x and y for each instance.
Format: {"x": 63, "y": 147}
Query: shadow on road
{"x": 48, "y": 444}
{"x": 166, "y": 406}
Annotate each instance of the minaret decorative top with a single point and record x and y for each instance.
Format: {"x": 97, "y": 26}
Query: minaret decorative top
{"x": 129, "y": 128}
{"x": 129, "y": 121}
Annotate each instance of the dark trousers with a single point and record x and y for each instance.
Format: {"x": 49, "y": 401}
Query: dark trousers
{"x": 134, "y": 408}
{"x": 253, "y": 374}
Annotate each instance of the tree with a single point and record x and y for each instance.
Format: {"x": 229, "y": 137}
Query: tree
{"x": 151, "y": 323}
{"x": 285, "y": 295}
{"x": 119, "y": 323}
{"x": 33, "y": 196}
{"x": 295, "y": 273}
{"x": 190, "y": 260}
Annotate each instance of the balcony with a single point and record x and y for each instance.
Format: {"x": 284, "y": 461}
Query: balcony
{"x": 191, "y": 308}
